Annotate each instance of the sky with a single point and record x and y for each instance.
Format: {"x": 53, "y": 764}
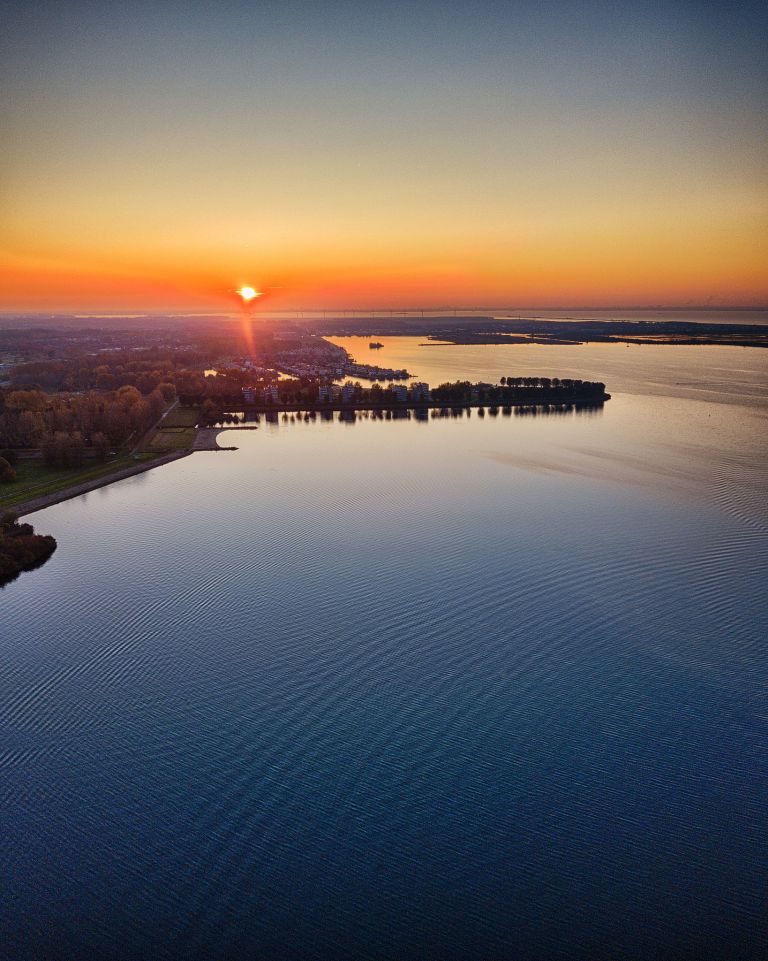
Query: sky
{"x": 382, "y": 154}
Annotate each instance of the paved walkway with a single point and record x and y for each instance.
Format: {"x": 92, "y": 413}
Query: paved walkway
{"x": 206, "y": 439}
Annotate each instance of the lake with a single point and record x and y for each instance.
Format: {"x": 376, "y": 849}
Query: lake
{"x": 463, "y": 688}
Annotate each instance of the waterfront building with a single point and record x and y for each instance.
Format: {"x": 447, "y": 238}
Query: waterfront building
{"x": 347, "y": 394}
{"x": 420, "y": 392}
{"x": 270, "y": 394}
{"x": 328, "y": 393}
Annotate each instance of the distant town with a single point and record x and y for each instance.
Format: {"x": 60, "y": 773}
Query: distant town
{"x": 309, "y": 355}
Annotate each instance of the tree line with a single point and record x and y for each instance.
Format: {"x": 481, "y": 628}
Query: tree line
{"x": 532, "y": 390}
{"x": 65, "y": 426}
{"x": 109, "y": 370}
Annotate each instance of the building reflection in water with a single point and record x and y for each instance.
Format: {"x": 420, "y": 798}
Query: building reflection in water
{"x": 421, "y": 415}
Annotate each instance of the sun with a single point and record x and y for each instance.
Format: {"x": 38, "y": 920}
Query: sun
{"x": 248, "y": 293}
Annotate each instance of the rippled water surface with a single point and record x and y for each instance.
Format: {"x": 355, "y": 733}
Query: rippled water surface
{"x": 475, "y": 688}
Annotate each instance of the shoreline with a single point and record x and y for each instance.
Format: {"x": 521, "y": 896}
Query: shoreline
{"x": 55, "y": 497}
{"x": 205, "y": 440}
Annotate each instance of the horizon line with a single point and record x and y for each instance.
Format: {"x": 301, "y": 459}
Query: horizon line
{"x": 370, "y": 312}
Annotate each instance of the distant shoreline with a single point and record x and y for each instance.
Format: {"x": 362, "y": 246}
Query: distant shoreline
{"x": 504, "y": 331}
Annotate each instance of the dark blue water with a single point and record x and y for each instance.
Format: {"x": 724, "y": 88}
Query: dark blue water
{"x": 469, "y": 689}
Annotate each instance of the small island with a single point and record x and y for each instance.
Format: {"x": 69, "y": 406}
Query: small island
{"x": 20, "y": 548}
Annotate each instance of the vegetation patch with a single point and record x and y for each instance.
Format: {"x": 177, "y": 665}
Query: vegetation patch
{"x": 172, "y": 438}
{"x": 20, "y": 548}
{"x": 177, "y": 431}
{"x": 181, "y": 417}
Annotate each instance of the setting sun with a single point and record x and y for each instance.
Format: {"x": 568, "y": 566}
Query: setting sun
{"x": 248, "y": 294}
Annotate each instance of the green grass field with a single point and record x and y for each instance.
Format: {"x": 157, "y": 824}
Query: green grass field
{"x": 171, "y": 438}
{"x": 34, "y": 478}
{"x": 176, "y": 432}
{"x": 181, "y": 417}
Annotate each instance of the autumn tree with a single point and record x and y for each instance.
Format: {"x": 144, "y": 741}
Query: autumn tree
{"x": 7, "y": 473}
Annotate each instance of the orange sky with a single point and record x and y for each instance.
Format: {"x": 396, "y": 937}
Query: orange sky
{"x": 473, "y": 163}
{"x": 696, "y": 254}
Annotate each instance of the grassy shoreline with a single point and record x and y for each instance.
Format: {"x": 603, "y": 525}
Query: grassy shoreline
{"x": 36, "y": 479}
{"x": 55, "y": 489}
{"x": 39, "y": 485}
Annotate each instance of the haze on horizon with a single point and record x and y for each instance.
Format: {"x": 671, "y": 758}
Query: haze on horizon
{"x": 162, "y": 156}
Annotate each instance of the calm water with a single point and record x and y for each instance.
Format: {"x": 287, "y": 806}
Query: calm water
{"x": 474, "y": 688}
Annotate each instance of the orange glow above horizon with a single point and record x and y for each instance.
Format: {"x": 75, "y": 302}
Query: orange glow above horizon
{"x": 708, "y": 255}
{"x": 483, "y": 162}
{"x": 550, "y": 248}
